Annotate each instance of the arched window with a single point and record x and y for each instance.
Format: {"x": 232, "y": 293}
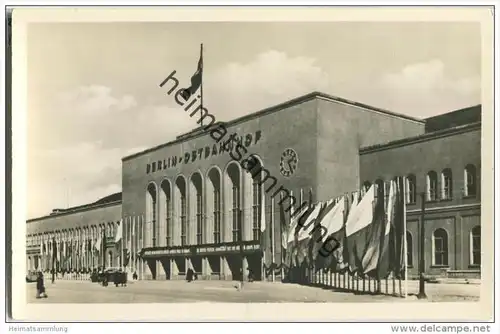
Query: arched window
{"x": 409, "y": 249}
{"x": 440, "y": 245}
{"x": 233, "y": 176}
{"x": 214, "y": 185}
{"x": 181, "y": 193}
{"x": 470, "y": 188}
{"x": 167, "y": 211}
{"x": 475, "y": 246}
{"x": 411, "y": 189}
{"x": 432, "y": 186}
{"x": 196, "y": 200}
{"x": 446, "y": 184}
{"x": 151, "y": 201}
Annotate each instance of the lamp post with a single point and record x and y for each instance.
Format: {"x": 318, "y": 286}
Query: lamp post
{"x": 54, "y": 250}
{"x": 242, "y": 274}
{"x": 421, "y": 266}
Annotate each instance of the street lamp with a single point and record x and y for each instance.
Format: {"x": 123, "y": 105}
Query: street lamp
{"x": 242, "y": 275}
{"x": 421, "y": 266}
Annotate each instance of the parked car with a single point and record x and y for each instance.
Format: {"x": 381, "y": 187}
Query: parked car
{"x": 114, "y": 275}
{"x": 31, "y": 276}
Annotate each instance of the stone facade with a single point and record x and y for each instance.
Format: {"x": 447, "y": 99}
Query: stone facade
{"x": 188, "y": 203}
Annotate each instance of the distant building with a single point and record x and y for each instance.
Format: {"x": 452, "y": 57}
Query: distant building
{"x": 187, "y": 202}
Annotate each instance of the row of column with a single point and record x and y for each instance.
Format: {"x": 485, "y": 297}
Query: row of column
{"x": 207, "y": 267}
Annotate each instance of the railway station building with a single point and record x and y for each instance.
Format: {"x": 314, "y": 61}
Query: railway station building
{"x": 189, "y": 203}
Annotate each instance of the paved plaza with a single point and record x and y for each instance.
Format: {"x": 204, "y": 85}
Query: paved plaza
{"x": 225, "y": 291}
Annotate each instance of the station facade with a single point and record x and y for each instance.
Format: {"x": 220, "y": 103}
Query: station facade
{"x": 190, "y": 203}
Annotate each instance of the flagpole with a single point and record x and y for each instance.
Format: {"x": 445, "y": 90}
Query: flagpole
{"x": 201, "y": 84}
{"x": 263, "y": 235}
{"x": 404, "y": 237}
{"x": 283, "y": 247}
{"x": 132, "y": 251}
{"x": 272, "y": 238}
{"x": 53, "y": 258}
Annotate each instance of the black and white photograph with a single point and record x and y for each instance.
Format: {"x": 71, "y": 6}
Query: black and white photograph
{"x": 246, "y": 160}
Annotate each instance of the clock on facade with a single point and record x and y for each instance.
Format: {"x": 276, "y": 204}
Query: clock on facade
{"x": 288, "y": 162}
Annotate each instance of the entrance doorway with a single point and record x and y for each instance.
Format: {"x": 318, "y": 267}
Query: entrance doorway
{"x": 152, "y": 267}
{"x": 196, "y": 262}
{"x": 181, "y": 265}
{"x": 165, "y": 265}
{"x": 234, "y": 263}
{"x": 214, "y": 264}
{"x": 255, "y": 265}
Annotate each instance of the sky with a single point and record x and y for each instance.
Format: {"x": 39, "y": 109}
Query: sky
{"x": 94, "y": 96}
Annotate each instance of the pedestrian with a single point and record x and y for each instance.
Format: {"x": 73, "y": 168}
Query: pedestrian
{"x": 40, "y": 287}
{"x": 250, "y": 275}
{"x": 134, "y": 276}
{"x": 105, "y": 280}
{"x": 189, "y": 275}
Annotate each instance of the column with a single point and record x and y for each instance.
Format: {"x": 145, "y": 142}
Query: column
{"x": 224, "y": 268}
{"x": 207, "y": 269}
{"x": 188, "y": 264}
{"x": 244, "y": 268}
{"x": 174, "y": 269}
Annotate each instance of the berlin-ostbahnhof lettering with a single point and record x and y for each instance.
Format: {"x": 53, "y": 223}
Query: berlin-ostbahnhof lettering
{"x": 206, "y": 152}
{"x": 208, "y": 189}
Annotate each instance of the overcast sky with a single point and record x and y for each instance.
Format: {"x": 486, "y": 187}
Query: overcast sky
{"x": 93, "y": 94}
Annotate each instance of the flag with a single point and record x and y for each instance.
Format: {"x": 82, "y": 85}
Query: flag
{"x": 376, "y": 255}
{"x": 307, "y": 224}
{"x": 196, "y": 79}
{"x": 283, "y": 232}
{"x": 337, "y": 261}
{"x": 54, "y": 253}
{"x": 65, "y": 252}
{"x": 291, "y": 242}
{"x": 318, "y": 231}
{"x": 330, "y": 223}
{"x": 129, "y": 243}
{"x": 133, "y": 246}
{"x": 58, "y": 254}
{"x": 284, "y": 226}
{"x": 388, "y": 256}
{"x": 98, "y": 243}
{"x": 358, "y": 229}
{"x": 119, "y": 232}
{"x": 398, "y": 255}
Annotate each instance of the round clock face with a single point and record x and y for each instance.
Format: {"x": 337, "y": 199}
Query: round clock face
{"x": 289, "y": 161}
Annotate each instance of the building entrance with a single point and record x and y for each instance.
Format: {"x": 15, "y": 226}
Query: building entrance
{"x": 214, "y": 266}
{"x": 255, "y": 266}
{"x": 151, "y": 263}
{"x": 235, "y": 264}
{"x": 196, "y": 262}
{"x": 165, "y": 266}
